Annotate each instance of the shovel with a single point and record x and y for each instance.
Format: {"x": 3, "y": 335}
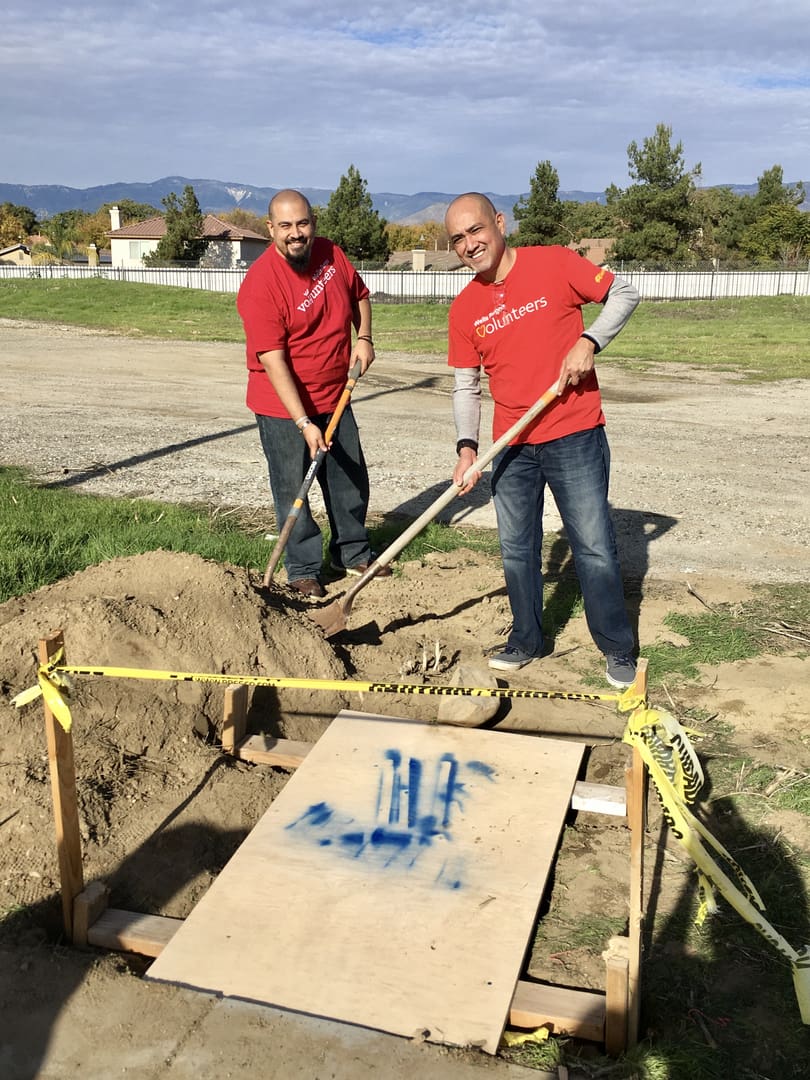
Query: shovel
{"x": 333, "y": 618}
{"x": 312, "y": 471}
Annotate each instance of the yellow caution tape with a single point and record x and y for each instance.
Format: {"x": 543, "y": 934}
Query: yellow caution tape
{"x": 54, "y": 684}
{"x": 25, "y": 697}
{"x": 518, "y": 1038}
{"x": 674, "y": 770}
{"x": 54, "y": 687}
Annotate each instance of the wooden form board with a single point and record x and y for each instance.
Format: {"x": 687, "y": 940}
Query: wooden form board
{"x": 394, "y": 883}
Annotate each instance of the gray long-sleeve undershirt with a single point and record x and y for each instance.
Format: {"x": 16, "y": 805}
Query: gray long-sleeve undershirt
{"x": 619, "y": 304}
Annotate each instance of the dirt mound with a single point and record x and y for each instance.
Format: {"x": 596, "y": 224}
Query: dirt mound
{"x": 147, "y": 746}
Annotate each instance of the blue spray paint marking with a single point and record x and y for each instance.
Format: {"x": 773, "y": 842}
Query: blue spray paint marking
{"x": 449, "y": 789}
{"x": 395, "y": 758}
{"x": 413, "y": 813}
{"x": 317, "y": 814}
{"x": 482, "y": 769}
{"x": 448, "y": 875}
{"x": 381, "y": 837}
{"x": 414, "y": 784}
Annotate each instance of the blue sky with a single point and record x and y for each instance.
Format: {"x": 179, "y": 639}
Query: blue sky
{"x": 420, "y": 97}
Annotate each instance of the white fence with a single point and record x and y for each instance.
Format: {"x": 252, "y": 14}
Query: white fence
{"x": 404, "y": 287}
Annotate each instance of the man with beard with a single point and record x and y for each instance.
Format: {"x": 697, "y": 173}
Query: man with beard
{"x": 298, "y": 304}
{"x": 520, "y": 318}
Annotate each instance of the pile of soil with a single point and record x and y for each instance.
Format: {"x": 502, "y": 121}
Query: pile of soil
{"x": 146, "y": 751}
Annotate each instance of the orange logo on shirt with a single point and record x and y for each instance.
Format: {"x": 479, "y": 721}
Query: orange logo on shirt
{"x": 599, "y": 276}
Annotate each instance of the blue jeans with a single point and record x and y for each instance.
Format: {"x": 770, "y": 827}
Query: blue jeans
{"x": 343, "y": 479}
{"x": 576, "y": 469}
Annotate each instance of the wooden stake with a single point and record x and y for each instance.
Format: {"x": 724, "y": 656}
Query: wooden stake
{"x": 636, "y": 818}
{"x": 640, "y": 683}
{"x": 234, "y": 721}
{"x": 616, "y": 996}
{"x": 636, "y": 785}
{"x": 63, "y": 789}
{"x": 87, "y": 909}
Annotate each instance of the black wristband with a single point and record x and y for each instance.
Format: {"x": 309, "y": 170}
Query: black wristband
{"x": 597, "y": 346}
{"x": 466, "y": 444}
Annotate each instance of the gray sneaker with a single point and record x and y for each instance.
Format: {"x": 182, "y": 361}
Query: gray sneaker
{"x": 510, "y": 659}
{"x": 620, "y": 671}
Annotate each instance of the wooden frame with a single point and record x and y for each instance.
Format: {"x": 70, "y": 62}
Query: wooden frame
{"x": 610, "y": 1017}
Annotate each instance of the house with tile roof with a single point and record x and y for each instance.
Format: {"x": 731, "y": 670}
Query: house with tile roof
{"x": 229, "y": 246}
{"x": 16, "y": 255}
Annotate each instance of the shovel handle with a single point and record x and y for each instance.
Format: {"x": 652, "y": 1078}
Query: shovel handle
{"x": 345, "y": 398}
{"x": 451, "y": 493}
{"x": 303, "y": 491}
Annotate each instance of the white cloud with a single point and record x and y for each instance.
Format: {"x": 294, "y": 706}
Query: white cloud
{"x": 419, "y": 97}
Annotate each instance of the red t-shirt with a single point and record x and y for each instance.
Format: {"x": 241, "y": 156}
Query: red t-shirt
{"x": 521, "y": 329}
{"x": 309, "y": 315}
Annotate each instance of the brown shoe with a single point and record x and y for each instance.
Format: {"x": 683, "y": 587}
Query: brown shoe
{"x": 308, "y": 586}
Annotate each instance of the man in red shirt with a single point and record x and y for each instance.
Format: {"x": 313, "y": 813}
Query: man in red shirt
{"x": 298, "y": 304}
{"x": 520, "y": 318}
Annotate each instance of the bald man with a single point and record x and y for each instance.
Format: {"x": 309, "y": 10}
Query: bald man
{"x": 520, "y": 320}
{"x": 298, "y": 304}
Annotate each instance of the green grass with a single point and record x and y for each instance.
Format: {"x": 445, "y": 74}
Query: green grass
{"x": 436, "y": 536}
{"x": 761, "y": 338}
{"x": 124, "y": 308}
{"x": 413, "y": 328}
{"x": 46, "y": 534}
{"x": 733, "y": 632}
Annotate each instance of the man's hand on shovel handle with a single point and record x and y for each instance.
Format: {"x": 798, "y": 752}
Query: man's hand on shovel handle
{"x": 314, "y": 438}
{"x": 466, "y": 458}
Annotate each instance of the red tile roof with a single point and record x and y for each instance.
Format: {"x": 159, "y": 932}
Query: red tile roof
{"x": 213, "y": 229}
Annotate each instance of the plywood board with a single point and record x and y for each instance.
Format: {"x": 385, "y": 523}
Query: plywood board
{"x": 394, "y": 882}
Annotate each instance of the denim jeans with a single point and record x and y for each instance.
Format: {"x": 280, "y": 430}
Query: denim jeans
{"x": 576, "y": 469}
{"x": 343, "y": 479}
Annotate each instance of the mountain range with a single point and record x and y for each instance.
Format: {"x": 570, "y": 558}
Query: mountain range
{"x": 217, "y": 196}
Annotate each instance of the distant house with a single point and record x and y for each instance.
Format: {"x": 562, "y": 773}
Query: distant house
{"x": 594, "y": 248}
{"x": 433, "y": 260}
{"x": 16, "y": 255}
{"x": 228, "y": 245}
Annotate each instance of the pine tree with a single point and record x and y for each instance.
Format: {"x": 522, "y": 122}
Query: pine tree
{"x": 656, "y": 216}
{"x": 540, "y": 213}
{"x": 773, "y": 191}
{"x": 351, "y": 221}
{"x": 182, "y": 241}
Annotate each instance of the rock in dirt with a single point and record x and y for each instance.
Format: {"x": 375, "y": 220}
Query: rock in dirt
{"x": 466, "y": 711}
